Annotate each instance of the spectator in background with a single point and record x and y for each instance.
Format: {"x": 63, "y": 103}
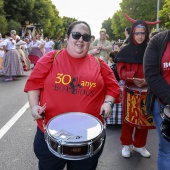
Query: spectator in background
{"x": 1, "y": 53}
{"x": 15, "y": 36}
{"x": 117, "y": 46}
{"x": 49, "y": 45}
{"x": 107, "y": 37}
{"x": 57, "y": 45}
{"x": 35, "y": 52}
{"x": 27, "y": 46}
{"x": 113, "y": 66}
{"x": 12, "y": 65}
{"x": 127, "y": 33}
{"x": 1, "y": 39}
{"x": 103, "y": 46}
{"x": 91, "y": 45}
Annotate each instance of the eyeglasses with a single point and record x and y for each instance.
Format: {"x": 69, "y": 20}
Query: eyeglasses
{"x": 77, "y": 35}
{"x": 140, "y": 33}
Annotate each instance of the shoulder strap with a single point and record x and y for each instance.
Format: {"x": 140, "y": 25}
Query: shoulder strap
{"x": 56, "y": 54}
{"x": 98, "y": 61}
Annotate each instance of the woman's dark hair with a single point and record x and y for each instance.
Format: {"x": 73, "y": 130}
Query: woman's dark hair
{"x": 128, "y": 29}
{"x": 72, "y": 25}
{"x": 7, "y": 34}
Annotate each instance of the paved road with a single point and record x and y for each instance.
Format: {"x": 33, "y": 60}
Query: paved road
{"x": 16, "y": 151}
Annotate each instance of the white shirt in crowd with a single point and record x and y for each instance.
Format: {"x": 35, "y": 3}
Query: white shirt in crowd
{"x": 9, "y": 44}
{"x": 35, "y": 44}
{"x": 49, "y": 44}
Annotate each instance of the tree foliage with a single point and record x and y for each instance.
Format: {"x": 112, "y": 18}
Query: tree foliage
{"x": 163, "y": 14}
{"x": 13, "y": 25}
{"x": 107, "y": 25}
{"x": 138, "y": 10}
{"x": 3, "y": 25}
{"x": 18, "y": 10}
{"x": 117, "y": 27}
{"x": 66, "y": 22}
{"x": 1, "y": 7}
{"x": 41, "y": 12}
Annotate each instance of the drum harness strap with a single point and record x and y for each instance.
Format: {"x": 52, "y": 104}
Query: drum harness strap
{"x": 43, "y": 114}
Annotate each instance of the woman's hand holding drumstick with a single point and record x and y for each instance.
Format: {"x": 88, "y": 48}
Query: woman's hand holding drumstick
{"x": 37, "y": 111}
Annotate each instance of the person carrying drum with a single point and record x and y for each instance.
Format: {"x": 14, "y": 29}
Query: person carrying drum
{"x": 70, "y": 80}
{"x": 157, "y": 75}
{"x": 130, "y": 69}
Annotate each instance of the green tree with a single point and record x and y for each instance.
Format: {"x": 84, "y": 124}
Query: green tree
{"x": 143, "y": 10}
{"x": 13, "y": 25}
{"x": 45, "y": 13}
{"x": 66, "y": 22}
{"x": 56, "y": 22}
{"x": 163, "y": 14}
{"x": 117, "y": 26}
{"x": 1, "y": 7}
{"x": 107, "y": 25}
{"x": 3, "y": 25}
{"x": 18, "y": 10}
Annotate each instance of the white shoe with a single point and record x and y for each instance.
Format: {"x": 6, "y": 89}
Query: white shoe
{"x": 126, "y": 151}
{"x": 142, "y": 151}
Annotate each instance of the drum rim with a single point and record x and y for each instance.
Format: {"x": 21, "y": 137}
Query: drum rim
{"x": 138, "y": 89}
{"x": 66, "y": 113}
{"x": 164, "y": 113}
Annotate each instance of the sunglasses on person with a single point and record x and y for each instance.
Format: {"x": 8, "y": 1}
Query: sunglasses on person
{"x": 77, "y": 35}
{"x": 140, "y": 33}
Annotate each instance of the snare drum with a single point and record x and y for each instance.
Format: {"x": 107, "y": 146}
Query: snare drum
{"x": 74, "y": 135}
{"x": 136, "y": 108}
{"x": 165, "y": 125}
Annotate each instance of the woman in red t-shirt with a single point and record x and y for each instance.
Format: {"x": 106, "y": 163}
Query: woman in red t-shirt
{"x": 74, "y": 81}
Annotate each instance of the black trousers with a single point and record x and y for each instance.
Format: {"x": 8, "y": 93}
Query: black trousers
{"x": 48, "y": 161}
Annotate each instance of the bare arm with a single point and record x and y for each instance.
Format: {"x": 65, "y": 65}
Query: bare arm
{"x": 106, "y": 107}
{"x": 36, "y": 109}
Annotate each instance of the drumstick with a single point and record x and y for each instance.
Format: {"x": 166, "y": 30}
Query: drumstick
{"x": 42, "y": 109}
{"x": 129, "y": 78}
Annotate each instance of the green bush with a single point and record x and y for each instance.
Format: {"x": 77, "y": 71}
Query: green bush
{"x": 13, "y": 25}
{"x": 3, "y": 25}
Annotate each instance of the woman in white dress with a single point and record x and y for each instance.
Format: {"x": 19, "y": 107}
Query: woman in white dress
{"x": 35, "y": 53}
{"x": 49, "y": 45}
{"x": 12, "y": 65}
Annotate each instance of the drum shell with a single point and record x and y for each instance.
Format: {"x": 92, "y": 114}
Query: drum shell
{"x": 165, "y": 125}
{"x": 135, "y": 112}
{"x": 73, "y": 150}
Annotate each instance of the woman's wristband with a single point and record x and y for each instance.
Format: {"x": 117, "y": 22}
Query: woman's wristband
{"x": 110, "y": 102}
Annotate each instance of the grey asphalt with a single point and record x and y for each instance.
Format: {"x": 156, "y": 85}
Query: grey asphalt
{"x": 16, "y": 151}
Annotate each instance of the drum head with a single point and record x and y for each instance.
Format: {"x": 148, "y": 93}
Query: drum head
{"x": 74, "y": 127}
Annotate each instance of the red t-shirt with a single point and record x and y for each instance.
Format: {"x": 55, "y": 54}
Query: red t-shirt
{"x": 165, "y": 64}
{"x": 72, "y": 85}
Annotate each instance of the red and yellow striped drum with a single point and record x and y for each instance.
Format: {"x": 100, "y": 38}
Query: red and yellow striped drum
{"x": 136, "y": 108}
